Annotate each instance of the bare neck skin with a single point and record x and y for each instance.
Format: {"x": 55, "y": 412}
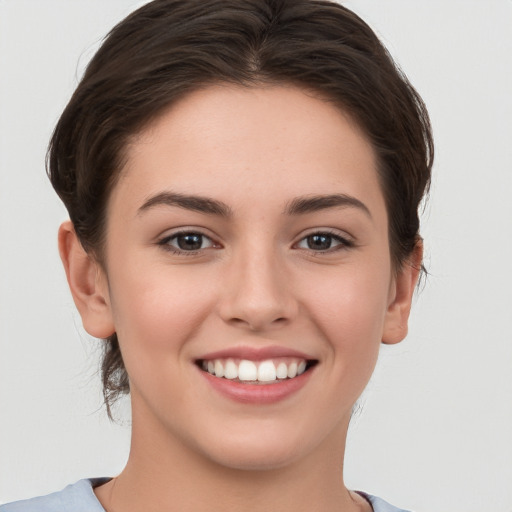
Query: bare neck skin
{"x": 167, "y": 476}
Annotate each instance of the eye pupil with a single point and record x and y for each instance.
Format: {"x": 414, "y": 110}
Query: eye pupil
{"x": 190, "y": 242}
{"x": 319, "y": 242}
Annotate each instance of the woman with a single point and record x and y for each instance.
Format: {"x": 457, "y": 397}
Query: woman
{"x": 243, "y": 182}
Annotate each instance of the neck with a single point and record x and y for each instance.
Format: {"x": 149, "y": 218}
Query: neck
{"x": 164, "y": 475}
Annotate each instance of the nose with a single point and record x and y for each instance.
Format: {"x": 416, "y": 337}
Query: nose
{"x": 258, "y": 294}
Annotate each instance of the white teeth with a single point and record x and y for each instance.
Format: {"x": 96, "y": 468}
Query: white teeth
{"x": 292, "y": 370}
{"x": 231, "y": 370}
{"x": 247, "y": 370}
{"x": 281, "y": 371}
{"x": 219, "y": 369}
{"x": 266, "y": 371}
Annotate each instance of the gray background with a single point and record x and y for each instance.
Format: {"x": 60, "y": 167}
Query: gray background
{"x": 435, "y": 433}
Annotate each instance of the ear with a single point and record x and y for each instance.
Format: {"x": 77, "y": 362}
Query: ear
{"x": 401, "y": 293}
{"x": 87, "y": 282}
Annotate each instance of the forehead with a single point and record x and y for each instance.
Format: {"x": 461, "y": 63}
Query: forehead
{"x": 263, "y": 142}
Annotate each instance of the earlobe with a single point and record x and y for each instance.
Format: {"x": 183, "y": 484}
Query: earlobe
{"x": 403, "y": 286}
{"x": 87, "y": 282}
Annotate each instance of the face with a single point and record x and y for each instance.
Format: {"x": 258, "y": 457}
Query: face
{"x": 248, "y": 275}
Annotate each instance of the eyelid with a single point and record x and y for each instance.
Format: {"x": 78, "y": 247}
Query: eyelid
{"x": 180, "y": 230}
{"x": 336, "y": 232}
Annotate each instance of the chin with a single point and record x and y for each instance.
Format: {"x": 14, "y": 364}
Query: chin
{"x": 256, "y": 451}
{"x": 248, "y": 460}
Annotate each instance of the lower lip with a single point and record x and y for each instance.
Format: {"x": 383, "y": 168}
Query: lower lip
{"x": 257, "y": 393}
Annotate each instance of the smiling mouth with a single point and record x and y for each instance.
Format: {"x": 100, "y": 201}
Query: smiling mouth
{"x": 269, "y": 371}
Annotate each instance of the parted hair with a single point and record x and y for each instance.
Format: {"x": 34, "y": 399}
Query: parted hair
{"x": 169, "y": 48}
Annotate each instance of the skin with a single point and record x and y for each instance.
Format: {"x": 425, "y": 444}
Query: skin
{"x": 255, "y": 282}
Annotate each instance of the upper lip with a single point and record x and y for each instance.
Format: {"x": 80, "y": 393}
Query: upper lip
{"x": 255, "y": 353}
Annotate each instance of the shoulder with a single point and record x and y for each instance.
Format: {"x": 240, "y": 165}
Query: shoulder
{"x": 77, "y": 497}
{"x": 378, "y": 504}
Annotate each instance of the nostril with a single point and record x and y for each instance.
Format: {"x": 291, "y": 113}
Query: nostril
{"x": 257, "y": 302}
{"x": 238, "y": 321}
{"x": 256, "y": 323}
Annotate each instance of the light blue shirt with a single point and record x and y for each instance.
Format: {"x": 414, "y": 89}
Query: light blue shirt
{"x": 80, "y": 497}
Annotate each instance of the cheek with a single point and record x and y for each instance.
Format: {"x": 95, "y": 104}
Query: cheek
{"x": 351, "y": 303}
{"x": 156, "y": 311}
{"x": 351, "y": 311}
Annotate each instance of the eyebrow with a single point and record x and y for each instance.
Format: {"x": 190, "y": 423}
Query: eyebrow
{"x": 188, "y": 202}
{"x": 298, "y": 206}
{"x": 311, "y": 204}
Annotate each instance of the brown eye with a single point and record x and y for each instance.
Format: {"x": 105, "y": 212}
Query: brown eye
{"x": 319, "y": 242}
{"x": 187, "y": 242}
{"x": 323, "y": 242}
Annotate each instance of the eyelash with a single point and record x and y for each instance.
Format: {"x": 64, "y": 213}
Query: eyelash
{"x": 165, "y": 242}
{"x": 342, "y": 242}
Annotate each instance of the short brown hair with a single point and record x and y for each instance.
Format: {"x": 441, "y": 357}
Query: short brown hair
{"x": 169, "y": 48}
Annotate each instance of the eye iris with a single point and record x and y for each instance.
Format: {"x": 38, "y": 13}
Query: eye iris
{"x": 190, "y": 242}
{"x": 319, "y": 242}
